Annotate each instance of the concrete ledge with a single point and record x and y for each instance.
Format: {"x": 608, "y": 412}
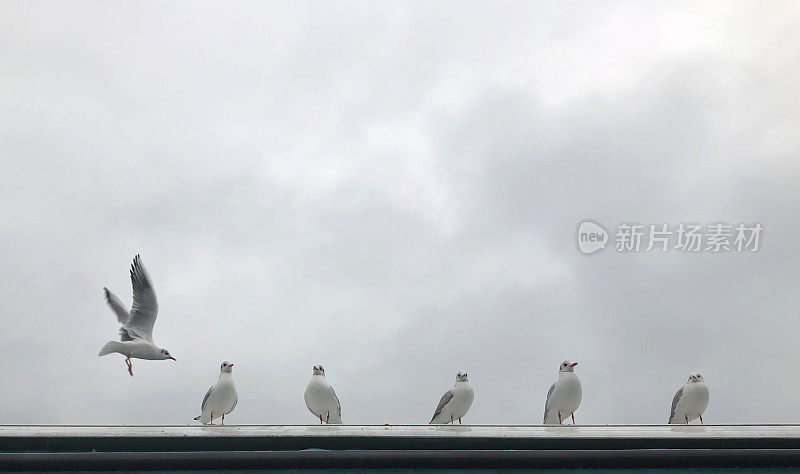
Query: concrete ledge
{"x": 405, "y": 446}
{"x": 456, "y": 431}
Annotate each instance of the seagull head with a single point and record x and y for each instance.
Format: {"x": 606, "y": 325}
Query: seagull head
{"x": 462, "y": 377}
{"x": 567, "y": 366}
{"x": 166, "y": 355}
{"x": 319, "y": 370}
{"x": 226, "y": 367}
{"x": 695, "y": 377}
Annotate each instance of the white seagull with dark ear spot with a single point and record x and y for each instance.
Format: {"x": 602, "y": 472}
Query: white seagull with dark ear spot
{"x": 321, "y": 400}
{"x": 690, "y": 402}
{"x": 455, "y": 402}
{"x": 136, "y": 333}
{"x": 221, "y": 398}
{"x": 564, "y": 396}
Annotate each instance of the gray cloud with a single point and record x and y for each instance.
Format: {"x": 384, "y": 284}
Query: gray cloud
{"x": 393, "y": 193}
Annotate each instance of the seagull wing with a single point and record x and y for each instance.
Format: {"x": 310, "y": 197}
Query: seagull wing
{"x": 205, "y": 399}
{"x": 124, "y": 335}
{"x": 122, "y": 314}
{"x": 145, "y": 306}
{"x": 675, "y": 401}
{"x": 117, "y": 306}
{"x": 448, "y": 395}
{"x": 547, "y": 402}
{"x": 338, "y": 404}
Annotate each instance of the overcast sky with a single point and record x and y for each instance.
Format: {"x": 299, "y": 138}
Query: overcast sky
{"x": 392, "y": 190}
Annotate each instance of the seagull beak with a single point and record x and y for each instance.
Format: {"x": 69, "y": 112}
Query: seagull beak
{"x": 573, "y": 364}
{"x": 176, "y": 360}
{"x": 230, "y": 365}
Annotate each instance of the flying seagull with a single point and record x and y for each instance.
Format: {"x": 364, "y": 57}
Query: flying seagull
{"x": 690, "y": 402}
{"x": 564, "y": 396}
{"x": 455, "y": 402}
{"x": 221, "y": 398}
{"x": 136, "y": 333}
{"x": 321, "y": 400}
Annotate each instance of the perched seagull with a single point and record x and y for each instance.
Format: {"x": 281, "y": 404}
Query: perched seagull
{"x": 564, "y": 396}
{"x": 321, "y": 400}
{"x": 136, "y": 333}
{"x": 690, "y": 402}
{"x": 455, "y": 402}
{"x": 221, "y": 398}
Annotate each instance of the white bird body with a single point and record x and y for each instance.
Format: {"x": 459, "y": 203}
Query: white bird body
{"x": 455, "y": 403}
{"x": 135, "y": 349}
{"x": 136, "y": 333}
{"x": 691, "y": 401}
{"x": 564, "y": 396}
{"x": 321, "y": 399}
{"x": 221, "y": 398}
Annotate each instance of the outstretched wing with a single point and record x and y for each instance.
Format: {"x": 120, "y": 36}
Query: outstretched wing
{"x": 145, "y": 307}
{"x": 122, "y": 314}
{"x": 448, "y": 395}
{"x": 205, "y": 399}
{"x": 117, "y": 306}
{"x": 547, "y": 402}
{"x": 675, "y": 401}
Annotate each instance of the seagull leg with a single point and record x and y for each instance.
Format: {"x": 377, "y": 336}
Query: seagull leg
{"x": 701, "y": 420}
{"x": 320, "y": 419}
{"x": 223, "y": 418}
{"x": 559, "y": 417}
{"x": 212, "y": 417}
{"x": 328, "y": 419}
{"x": 459, "y": 421}
{"x": 452, "y": 421}
{"x": 686, "y": 417}
{"x": 573, "y": 418}
{"x": 129, "y": 364}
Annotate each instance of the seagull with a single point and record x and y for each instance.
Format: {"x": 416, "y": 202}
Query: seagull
{"x": 221, "y": 398}
{"x": 136, "y": 333}
{"x": 455, "y": 402}
{"x": 564, "y": 396}
{"x": 321, "y": 400}
{"x": 690, "y": 402}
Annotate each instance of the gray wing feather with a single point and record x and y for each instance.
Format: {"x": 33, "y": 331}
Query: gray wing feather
{"x": 117, "y": 306}
{"x": 208, "y": 394}
{"x": 235, "y": 401}
{"x": 448, "y": 395}
{"x": 122, "y": 314}
{"x": 675, "y": 401}
{"x": 338, "y": 405}
{"x": 145, "y": 306}
{"x": 547, "y": 402}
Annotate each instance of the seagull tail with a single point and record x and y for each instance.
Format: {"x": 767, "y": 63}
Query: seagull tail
{"x": 201, "y": 420}
{"x": 109, "y": 348}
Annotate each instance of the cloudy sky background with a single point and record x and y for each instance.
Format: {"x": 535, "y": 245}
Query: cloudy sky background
{"x": 392, "y": 190}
